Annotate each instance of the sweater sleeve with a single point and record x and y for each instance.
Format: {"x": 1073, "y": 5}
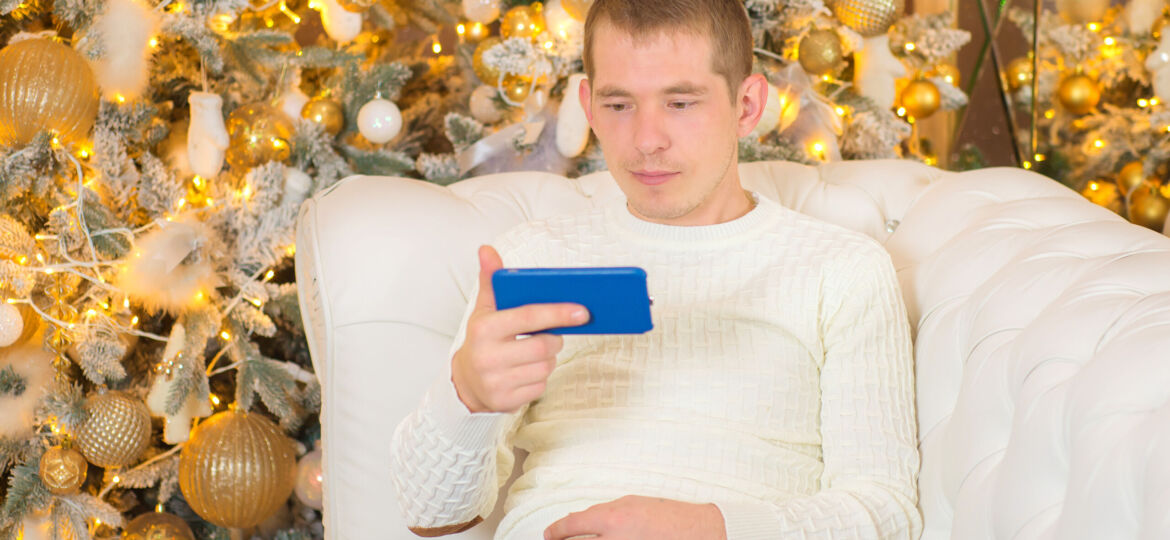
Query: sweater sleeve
{"x": 449, "y": 463}
{"x": 868, "y": 428}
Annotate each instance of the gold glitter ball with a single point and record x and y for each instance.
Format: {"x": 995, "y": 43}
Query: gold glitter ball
{"x": 868, "y": 17}
{"x": 259, "y": 133}
{"x": 157, "y": 526}
{"x": 1079, "y": 93}
{"x": 1147, "y": 206}
{"x": 819, "y": 51}
{"x": 117, "y": 430}
{"x": 63, "y": 470}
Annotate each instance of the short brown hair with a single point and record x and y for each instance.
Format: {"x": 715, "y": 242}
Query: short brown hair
{"x": 724, "y": 22}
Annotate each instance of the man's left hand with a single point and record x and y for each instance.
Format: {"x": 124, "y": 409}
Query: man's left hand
{"x": 637, "y": 518}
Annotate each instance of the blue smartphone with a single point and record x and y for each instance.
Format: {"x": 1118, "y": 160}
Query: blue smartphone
{"x": 616, "y": 297}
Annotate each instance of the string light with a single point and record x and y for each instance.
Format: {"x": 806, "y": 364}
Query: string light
{"x": 1027, "y": 164}
{"x": 1099, "y": 143}
{"x": 1040, "y": 157}
{"x": 1094, "y": 27}
{"x": 910, "y": 47}
{"x": 1049, "y": 114}
{"x": 1110, "y": 41}
{"x": 289, "y": 13}
{"x": 436, "y": 47}
{"x": 225, "y": 335}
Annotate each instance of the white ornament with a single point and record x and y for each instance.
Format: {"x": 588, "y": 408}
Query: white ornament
{"x": 207, "y": 137}
{"x": 572, "y": 124}
{"x": 296, "y": 185}
{"x": 178, "y": 425}
{"x": 310, "y": 479}
{"x": 560, "y": 24}
{"x": 292, "y": 101}
{"x": 379, "y": 121}
{"x": 1082, "y": 11}
{"x": 483, "y": 105}
{"x": 1141, "y": 14}
{"x": 482, "y": 11}
{"x": 11, "y": 324}
{"x": 876, "y": 69}
{"x": 1158, "y": 64}
{"x": 341, "y": 24}
{"x": 124, "y": 30}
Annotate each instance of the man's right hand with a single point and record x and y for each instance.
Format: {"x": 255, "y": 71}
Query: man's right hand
{"x": 496, "y": 372}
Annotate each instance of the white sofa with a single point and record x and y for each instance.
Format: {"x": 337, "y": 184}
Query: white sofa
{"x": 1041, "y": 321}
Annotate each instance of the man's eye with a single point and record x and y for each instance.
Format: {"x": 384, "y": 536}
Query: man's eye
{"x": 617, "y": 107}
{"x": 681, "y": 105}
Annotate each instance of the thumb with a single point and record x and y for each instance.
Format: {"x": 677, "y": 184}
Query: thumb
{"x": 489, "y": 262}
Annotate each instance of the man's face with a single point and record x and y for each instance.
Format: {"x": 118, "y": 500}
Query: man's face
{"x": 667, "y": 124}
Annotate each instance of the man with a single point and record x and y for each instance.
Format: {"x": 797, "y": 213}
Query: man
{"x": 774, "y": 397}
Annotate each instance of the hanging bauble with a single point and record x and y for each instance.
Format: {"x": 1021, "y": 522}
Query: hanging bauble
{"x": 326, "y": 113}
{"x": 1130, "y": 177}
{"x": 482, "y": 11}
{"x": 379, "y": 121}
{"x": 207, "y": 137}
{"x": 483, "y": 104}
{"x": 116, "y": 431}
{"x": 516, "y": 88}
{"x": 525, "y": 22}
{"x": 572, "y": 124}
{"x": 259, "y": 133}
{"x": 292, "y": 102}
{"x": 297, "y": 185}
{"x": 45, "y": 85}
{"x": 876, "y": 70}
{"x": 11, "y": 324}
{"x": 237, "y": 469}
{"x": 342, "y": 25}
{"x": 819, "y": 51}
{"x": 1104, "y": 194}
{"x": 1148, "y": 207}
{"x": 1082, "y": 11}
{"x": 310, "y": 478}
{"x": 356, "y": 6}
{"x": 559, "y": 23}
{"x": 157, "y": 526}
{"x": 1079, "y": 93}
{"x": 868, "y": 17}
{"x": 1019, "y": 72}
{"x": 487, "y": 74}
{"x": 948, "y": 73}
{"x": 578, "y": 9}
{"x": 63, "y": 470}
{"x": 921, "y": 98}
{"x": 1158, "y": 64}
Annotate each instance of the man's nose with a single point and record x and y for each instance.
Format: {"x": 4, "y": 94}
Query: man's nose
{"x": 650, "y": 134}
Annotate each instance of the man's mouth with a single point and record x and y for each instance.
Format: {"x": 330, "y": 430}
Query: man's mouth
{"x": 653, "y": 178}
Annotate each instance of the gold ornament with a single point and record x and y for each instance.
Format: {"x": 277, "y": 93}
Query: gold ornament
{"x": 158, "y": 526}
{"x": 326, "y": 113}
{"x": 819, "y": 51}
{"x": 117, "y": 430}
{"x": 523, "y": 22}
{"x": 259, "y": 133}
{"x": 356, "y": 6}
{"x": 1148, "y": 207}
{"x": 1130, "y": 177}
{"x": 237, "y": 469}
{"x": 45, "y": 85}
{"x": 1079, "y": 93}
{"x": 64, "y": 315}
{"x": 948, "y": 72}
{"x": 1019, "y": 72}
{"x": 63, "y": 470}
{"x": 577, "y": 9}
{"x": 517, "y": 88}
{"x": 920, "y": 98}
{"x": 868, "y": 17}
{"x": 487, "y": 74}
{"x": 472, "y": 31}
{"x": 1104, "y": 194}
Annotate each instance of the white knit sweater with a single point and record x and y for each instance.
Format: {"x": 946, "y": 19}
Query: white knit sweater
{"x": 777, "y": 383}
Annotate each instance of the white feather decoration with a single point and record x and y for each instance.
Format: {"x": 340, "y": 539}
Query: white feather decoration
{"x": 161, "y": 274}
{"x": 125, "y": 29}
{"x": 34, "y": 365}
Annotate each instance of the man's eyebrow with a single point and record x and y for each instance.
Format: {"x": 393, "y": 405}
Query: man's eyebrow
{"x": 685, "y": 88}
{"x": 612, "y": 91}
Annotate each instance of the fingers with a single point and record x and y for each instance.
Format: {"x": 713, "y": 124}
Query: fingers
{"x": 489, "y": 262}
{"x": 534, "y": 318}
{"x": 575, "y": 524}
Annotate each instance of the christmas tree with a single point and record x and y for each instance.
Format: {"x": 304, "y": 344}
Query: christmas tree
{"x": 1099, "y": 102}
{"x": 153, "y": 367}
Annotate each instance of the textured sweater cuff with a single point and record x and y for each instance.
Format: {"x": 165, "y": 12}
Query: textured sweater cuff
{"x": 749, "y": 521}
{"x": 465, "y": 429}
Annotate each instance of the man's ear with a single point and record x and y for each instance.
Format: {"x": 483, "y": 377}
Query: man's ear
{"x": 585, "y": 96}
{"x": 753, "y": 97}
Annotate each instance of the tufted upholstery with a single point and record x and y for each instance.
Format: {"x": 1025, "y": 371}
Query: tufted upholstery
{"x": 1041, "y": 323}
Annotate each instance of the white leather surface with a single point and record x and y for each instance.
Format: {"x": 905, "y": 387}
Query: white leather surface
{"x": 1042, "y": 333}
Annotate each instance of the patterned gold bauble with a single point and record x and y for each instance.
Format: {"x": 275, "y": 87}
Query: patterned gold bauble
{"x": 326, "y": 113}
{"x": 116, "y": 431}
{"x": 1104, "y": 194}
{"x": 63, "y": 470}
{"x": 921, "y": 98}
{"x": 523, "y": 22}
{"x": 157, "y": 526}
{"x": 1130, "y": 177}
{"x": 517, "y": 88}
{"x": 819, "y": 51}
{"x": 45, "y": 85}
{"x": 577, "y": 9}
{"x": 1079, "y": 93}
{"x": 1148, "y": 207}
{"x": 868, "y": 17}
{"x": 357, "y": 6}
{"x": 487, "y": 74}
{"x": 237, "y": 469}
{"x": 1019, "y": 72}
{"x": 948, "y": 72}
{"x": 259, "y": 133}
